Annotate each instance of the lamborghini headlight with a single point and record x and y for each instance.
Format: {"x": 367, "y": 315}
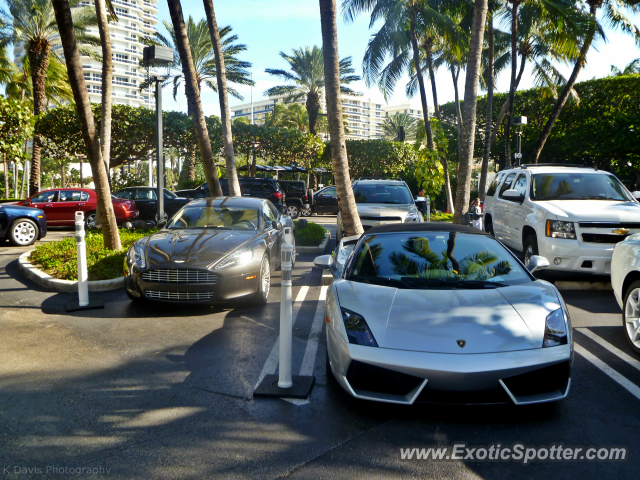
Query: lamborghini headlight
{"x": 235, "y": 259}
{"x": 412, "y": 217}
{"x": 555, "y": 329}
{"x": 358, "y": 331}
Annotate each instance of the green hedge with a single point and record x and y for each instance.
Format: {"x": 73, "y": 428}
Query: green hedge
{"x": 310, "y": 236}
{"x": 59, "y": 259}
{"x": 440, "y": 217}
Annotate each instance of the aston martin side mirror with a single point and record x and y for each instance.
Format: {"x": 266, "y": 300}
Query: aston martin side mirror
{"x": 536, "y": 263}
{"x": 276, "y": 225}
{"x": 323, "y": 261}
{"x": 162, "y": 223}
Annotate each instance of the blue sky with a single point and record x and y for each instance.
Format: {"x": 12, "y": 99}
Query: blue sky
{"x": 270, "y": 26}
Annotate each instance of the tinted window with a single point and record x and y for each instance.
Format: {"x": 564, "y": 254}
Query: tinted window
{"x": 492, "y": 188}
{"x": 70, "y": 196}
{"x": 578, "y": 186}
{"x": 267, "y": 215}
{"x": 227, "y": 218}
{"x": 145, "y": 194}
{"x": 371, "y": 193}
{"x": 434, "y": 260}
{"x": 169, "y": 194}
{"x": 274, "y": 210}
{"x": 507, "y": 183}
{"x": 521, "y": 185}
{"x": 328, "y": 192}
{"x": 44, "y": 197}
{"x": 127, "y": 194}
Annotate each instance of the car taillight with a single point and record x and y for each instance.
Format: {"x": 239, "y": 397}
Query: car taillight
{"x": 279, "y": 195}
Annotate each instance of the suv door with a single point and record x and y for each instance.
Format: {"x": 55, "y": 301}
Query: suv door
{"x": 518, "y": 212}
{"x": 501, "y": 209}
{"x": 146, "y": 201}
{"x": 326, "y": 201}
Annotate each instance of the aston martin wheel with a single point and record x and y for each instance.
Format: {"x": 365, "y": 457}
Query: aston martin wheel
{"x": 631, "y": 316}
{"x": 264, "y": 282}
{"x": 306, "y": 211}
{"x": 293, "y": 211}
{"x": 23, "y": 232}
{"x": 90, "y": 220}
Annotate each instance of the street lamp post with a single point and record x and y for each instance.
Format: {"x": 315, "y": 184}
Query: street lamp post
{"x": 156, "y": 55}
{"x": 519, "y": 121}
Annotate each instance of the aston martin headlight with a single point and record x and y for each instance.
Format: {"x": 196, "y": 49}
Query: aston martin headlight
{"x": 558, "y": 229}
{"x": 135, "y": 255}
{"x": 555, "y": 329}
{"x": 412, "y": 217}
{"x": 235, "y": 259}
{"x": 357, "y": 329}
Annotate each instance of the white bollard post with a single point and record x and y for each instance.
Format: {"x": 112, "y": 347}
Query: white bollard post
{"x": 286, "y": 333}
{"x": 428, "y": 209}
{"x": 83, "y": 286}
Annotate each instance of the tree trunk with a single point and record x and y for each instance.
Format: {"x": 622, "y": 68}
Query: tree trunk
{"x": 24, "y": 179}
{"x": 225, "y": 117}
{"x": 38, "y": 53}
{"x": 253, "y": 164}
{"x": 469, "y": 113}
{"x": 107, "y": 84}
{"x": 428, "y": 48}
{"x": 191, "y": 164}
{"x": 564, "y": 96}
{"x": 512, "y": 86}
{"x": 81, "y": 174}
{"x": 423, "y": 93}
{"x": 456, "y": 94}
{"x": 482, "y": 185}
{"x": 339, "y": 160}
{"x": 193, "y": 98}
{"x": 313, "y": 107}
{"x": 63, "y": 176}
{"x": 87, "y": 123}
{"x": 6, "y": 175}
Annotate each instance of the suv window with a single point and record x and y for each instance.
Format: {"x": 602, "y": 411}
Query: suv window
{"x": 126, "y": 194}
{"x": 145, "y": 194}
{"x": 521, "y": 185}
{"x": 381, "y": 193}
{"x": 328, "y": 192}
{"x": 492, "y": 188}
{"x": 507, "y": 183}
{"x": 578, "y": 186}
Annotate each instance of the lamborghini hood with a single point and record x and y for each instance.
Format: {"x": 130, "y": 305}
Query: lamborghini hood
{"x": 440, "y": 321}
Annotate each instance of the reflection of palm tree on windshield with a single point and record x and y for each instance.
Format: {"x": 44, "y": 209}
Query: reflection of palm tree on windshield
{"x": 563, "y": 189}
{"x": 367, "y": 264}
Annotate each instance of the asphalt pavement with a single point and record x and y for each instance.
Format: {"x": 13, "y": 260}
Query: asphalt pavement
{"x": 161, "y": 392}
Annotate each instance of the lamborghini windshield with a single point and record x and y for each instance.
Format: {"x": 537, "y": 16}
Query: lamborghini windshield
{"x": 435, "y": 260}
{"x": 224, "y": 218}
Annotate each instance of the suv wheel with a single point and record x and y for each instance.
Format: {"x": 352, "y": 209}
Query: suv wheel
{"x": 631, "y": 316}
{"x": 530, "y": 248}
{"x": 488, "y": 227}
{"x": 293, "y": 211}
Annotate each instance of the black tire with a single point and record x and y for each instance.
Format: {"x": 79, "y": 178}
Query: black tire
{"x": 488, "y": 227}
{"x": 529, "y": 248}
{"x": 262, "y": 293}
{"x": 23, "y": 232}
{"x": 631, "y": 328}
{"x": 90, "y": 219}
{"x": 292, "y": 210}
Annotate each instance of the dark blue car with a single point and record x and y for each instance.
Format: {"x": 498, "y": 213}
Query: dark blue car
{"x": 20, "y": 225}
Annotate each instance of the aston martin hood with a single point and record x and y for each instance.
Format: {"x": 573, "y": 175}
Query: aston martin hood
{"x": 194, "y": 248}
{"x": 485, "y": 320}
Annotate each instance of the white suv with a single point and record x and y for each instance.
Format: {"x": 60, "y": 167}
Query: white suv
{"x": 571, "y": 215}
{"x": 381, "y": 201}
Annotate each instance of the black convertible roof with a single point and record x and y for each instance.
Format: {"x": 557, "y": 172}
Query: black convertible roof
{"x": 423, "y": 227}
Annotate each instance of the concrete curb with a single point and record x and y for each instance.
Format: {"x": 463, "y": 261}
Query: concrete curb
{"x": 47, "y": 281}
{"x": 569, "y": 285}
{"x": 319, "y": 249}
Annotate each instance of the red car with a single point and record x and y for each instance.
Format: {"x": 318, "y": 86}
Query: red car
{"x": 61, "y": 204}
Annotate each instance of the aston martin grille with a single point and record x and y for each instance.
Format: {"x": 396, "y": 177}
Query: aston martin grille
{"x": 179, "y": 295}
{"x": 174, "y": 275}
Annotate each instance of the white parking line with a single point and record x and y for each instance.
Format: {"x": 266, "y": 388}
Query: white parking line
{"x": 617, "y": 352}
{"x": 614, "y": 375}
{"x": 272, "y": 360}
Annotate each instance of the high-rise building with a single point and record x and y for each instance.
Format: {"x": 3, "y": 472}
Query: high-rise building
{"x": 363, "y": 116}
{"x": 136, "y": 19}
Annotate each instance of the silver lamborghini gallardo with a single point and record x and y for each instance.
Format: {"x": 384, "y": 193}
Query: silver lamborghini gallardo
{"x": 443, "y": 313}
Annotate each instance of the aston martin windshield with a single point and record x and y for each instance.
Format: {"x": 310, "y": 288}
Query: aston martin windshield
{"x": 368, "y": 193}
{"x": 578, "y": 186}
{"x": 225, "y": 218}
{"x": 435, "y": 260}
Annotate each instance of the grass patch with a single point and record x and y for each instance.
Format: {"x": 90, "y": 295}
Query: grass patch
{"x": 59, "y": 259}
{"x": 440, "y": 217}
{"x": 311, "y": 235}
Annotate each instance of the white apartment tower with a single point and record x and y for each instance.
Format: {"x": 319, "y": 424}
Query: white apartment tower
{"x": 136, "y": 19}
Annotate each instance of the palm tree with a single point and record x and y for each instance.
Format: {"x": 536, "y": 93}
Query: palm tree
{"x": 632, "y": 69}
{"x": 469, "y": 114}
{"x": 56, "y": 85}
{"x": 192, "y": 91}
{"x": 91, "y": 140}
{"x": 204, "y": 57}
{"x": 615, "y": 17}
{"x": 306, "y": 72}
{"x": 332, "y": 81}
{"x": 392, "y": 124}
{"x": 34, "y": 24}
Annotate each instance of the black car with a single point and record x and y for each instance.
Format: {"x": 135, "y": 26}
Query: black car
{"x": 22, "y": 226}
{"x": 297, "y": 198}
{"x": 213, "y": 250}
{"x": 325, "y": 201}
{"x": 266, "y": 188}
{"x": 146, "y": 200}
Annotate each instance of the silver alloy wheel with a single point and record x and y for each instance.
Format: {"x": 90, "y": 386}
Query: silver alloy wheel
{"x": 632, "y": 317}
{"x": 305, "y": 211}
{"x": 90, "y": 220}
{"x": 293, "y": 211}
{"x": 24, "y": 232}
{"x": 528, "y": 254}
{"x": 265, "y": 277}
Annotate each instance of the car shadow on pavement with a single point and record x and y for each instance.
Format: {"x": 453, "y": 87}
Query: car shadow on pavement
{"x": 592, "y": 301}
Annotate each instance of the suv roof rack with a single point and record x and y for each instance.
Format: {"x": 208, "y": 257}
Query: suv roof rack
{"x": 379, "y": 178}
{"x": 569, "y": 165}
